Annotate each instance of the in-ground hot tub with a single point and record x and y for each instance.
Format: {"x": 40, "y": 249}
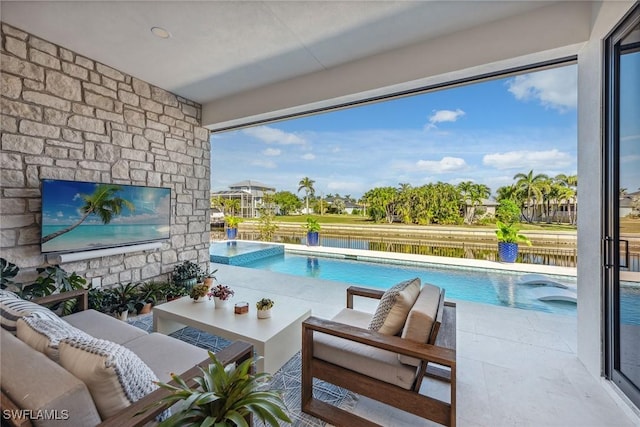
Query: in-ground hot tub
{"x": 240, "y": 252}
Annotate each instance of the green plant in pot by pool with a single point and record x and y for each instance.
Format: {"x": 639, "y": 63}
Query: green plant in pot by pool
{"x": 224, "y": 397}
{"x": 509, "y": 236}
{"x": 313, "y": 228}
{"x": 186, "y": 274}
{"x": 232, "y": 221}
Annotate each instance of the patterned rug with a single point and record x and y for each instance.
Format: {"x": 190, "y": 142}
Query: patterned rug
{"x": 287, "y": 379}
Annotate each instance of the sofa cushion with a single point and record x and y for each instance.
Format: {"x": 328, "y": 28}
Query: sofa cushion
{"x": 37, "y": 383}
{"x": 44, "y": 335}
{"x": 376, "y": 363}
{"x": 105, "y": 327}
{"x": 420, "y": 319}
{"x": 114, "y": 375}
{"x": 394, "y": 306}
{"x": 165, "y": 354}
{"x": 12, "y": 308}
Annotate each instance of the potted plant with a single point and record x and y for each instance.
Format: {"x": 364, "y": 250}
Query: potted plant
{"x": 508, "y": 239}
{"x": 313, "y": 227}
{"x": 148, "y": 295}
{"x": 264, "y": 308}
{"x": 198, "y": 292}
{"x": 224, "y": 397}
{"x": 208, "y": 279}
{"x": 186, "y": 274}
{"x": 125, "y": 298}
{"x": 174, "y": 291}
{"x": 221, "y": 294}
{"x": 232, "y": 226}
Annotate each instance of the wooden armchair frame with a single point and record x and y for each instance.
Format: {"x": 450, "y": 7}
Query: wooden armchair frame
{"x": 141, "y": 412}
{"x": 408, "y": 400}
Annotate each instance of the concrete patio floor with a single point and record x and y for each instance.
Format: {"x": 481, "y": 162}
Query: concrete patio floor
{"x": 515, "y": 367}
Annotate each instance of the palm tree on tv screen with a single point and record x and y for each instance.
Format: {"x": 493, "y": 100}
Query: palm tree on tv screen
{"x": 103, "y": 203}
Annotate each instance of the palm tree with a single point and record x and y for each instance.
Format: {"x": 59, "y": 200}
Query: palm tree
{"x": 103, "y": 203}
{"x": 306, "y": 183}
{"x": 571, "y": 182}
{"x": 528, "y": 185}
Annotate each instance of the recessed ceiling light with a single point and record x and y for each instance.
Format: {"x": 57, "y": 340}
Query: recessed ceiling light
{"x": 160, "y": 32}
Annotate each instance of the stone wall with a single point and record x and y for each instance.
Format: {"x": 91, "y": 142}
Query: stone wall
{"x": 66, "y": 116}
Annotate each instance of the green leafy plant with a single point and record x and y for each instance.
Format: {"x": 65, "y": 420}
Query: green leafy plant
{"x": 265, "y": 304}
{"x": 126, "y": 296}
{"x": 232, "y": 221}
{"x": 199, "y": 291}
{"x": 186, "y": 271}
{"x": 224, "y": 397}
{"x": 8, "y": 271}
{"x": 54, "y": 278}
{"x": 509, "y": 233}
{"x": 312, "y": 225}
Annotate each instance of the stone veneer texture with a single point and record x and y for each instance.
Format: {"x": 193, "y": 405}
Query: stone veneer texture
{"x": 66, "y": 116}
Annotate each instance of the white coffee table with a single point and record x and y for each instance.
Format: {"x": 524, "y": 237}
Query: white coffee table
{"x": 277, "y": 339}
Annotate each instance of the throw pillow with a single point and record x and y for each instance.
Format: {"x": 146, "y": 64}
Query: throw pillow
{"x": 44, "y": 335}
{"x": 394, "y": 306}
{"x": 12, "y": 308}
{"x": 115, "y": 376}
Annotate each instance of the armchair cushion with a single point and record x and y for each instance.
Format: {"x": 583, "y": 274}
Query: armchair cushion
{"x": 362, "y": 358}
{"x": 12, "y": 308}
{"x": 115, "y": 376}
{"x": 391, "y": 314}
{"x": 420, "y": 319}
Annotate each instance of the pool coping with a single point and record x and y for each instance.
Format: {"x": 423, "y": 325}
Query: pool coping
{"x": 394, "y": 257}
{"x": 412, "y": 259}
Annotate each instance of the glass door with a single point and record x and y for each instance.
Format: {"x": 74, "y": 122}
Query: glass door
{"x": 622, "y": 197}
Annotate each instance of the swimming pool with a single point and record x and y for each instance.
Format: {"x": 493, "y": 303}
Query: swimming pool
{"x": 478, "y": 285}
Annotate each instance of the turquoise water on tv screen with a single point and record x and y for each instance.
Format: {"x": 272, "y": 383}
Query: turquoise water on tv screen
{"x": 88, "y": 237}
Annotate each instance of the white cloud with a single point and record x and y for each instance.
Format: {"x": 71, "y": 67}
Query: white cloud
{"x": 440, "y": 116}
{"x": 556, "y": 88}
{"x": 528, "y": 160}
{"x": 271, "y": 152}
{"x": 445, "y": 165}
{"x": 274, "y": 136}
{"x": 308, "y": 156}
{"x": 267, "y": 164}
{"x": 630, "y": 158}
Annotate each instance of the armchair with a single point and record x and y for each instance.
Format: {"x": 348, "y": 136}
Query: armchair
{"x": 387, "y": 368}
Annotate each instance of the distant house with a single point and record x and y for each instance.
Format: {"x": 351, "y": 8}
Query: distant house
{"x": 626, "y": 203}
{"x": 250, "y": 193}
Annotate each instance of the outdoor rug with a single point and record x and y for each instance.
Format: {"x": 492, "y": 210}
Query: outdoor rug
{"x": 287, "y": 379}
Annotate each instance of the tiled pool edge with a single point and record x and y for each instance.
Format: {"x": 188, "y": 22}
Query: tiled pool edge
{"x": 240, "y": 259}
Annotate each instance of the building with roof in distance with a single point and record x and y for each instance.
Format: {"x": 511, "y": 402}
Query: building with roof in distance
{"x": 250, "y": 195}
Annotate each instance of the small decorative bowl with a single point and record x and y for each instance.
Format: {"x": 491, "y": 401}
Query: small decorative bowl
{"x": 241, "y": 307}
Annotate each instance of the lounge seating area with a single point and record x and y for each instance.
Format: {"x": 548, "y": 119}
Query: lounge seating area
{"x": 88, "y": 367}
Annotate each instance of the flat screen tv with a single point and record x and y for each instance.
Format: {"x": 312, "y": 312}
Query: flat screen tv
{"x": 83, "y": 216}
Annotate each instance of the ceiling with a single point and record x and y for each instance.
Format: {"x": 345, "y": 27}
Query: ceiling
{"x": 219, "y": 49}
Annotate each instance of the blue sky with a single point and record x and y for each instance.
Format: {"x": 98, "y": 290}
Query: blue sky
{"x": 484, "y": 132}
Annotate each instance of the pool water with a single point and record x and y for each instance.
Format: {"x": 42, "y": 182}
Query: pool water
{"x": 478, "y": 285}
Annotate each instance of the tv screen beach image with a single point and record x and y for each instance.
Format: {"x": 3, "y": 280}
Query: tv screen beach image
{"x": 79, "y": 216}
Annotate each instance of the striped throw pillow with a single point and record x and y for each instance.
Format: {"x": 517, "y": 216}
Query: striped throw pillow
{"x": 12, "y": 308}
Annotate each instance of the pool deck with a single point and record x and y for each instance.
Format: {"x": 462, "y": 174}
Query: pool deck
{"x": 515, "y": 367}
